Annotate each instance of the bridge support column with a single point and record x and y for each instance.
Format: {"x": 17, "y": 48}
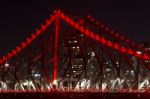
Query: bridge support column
{"x": 56, "y": 46}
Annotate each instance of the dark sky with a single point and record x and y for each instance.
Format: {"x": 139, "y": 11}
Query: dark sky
{"x": 18, "y": 19}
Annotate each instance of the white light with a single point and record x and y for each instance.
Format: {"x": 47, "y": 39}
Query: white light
{"x": 55, "y": 82}
{"x": 92, "y": 54}
{"x": 111, "y": 81}
{"x": 107, "y": 63}
{"x": 6, "y": 64}
{"x": 117, "y": 63}
{"x": 104, "y": 85}
{"x": 75, "y": 41}
{"x": 80, "y": 65}
{"x": 132, "y": 71}
{"x": 107, "y": 69}
{"x": 25, "y": 83}
{"x": 139, "y": 52}
{"x": 37, "y": 75}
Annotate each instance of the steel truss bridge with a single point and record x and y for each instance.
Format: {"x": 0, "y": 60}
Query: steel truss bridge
{"x": 75, "y": 54}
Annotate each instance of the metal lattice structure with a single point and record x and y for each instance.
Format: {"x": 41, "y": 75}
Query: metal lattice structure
{"x": 75, "y": 54}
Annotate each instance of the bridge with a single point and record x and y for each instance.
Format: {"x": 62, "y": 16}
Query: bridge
{"x": 76, "y": 54}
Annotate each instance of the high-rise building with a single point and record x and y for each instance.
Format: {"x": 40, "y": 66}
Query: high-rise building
{"x": 146, "y": 45}
{"x": 77, "y": 63}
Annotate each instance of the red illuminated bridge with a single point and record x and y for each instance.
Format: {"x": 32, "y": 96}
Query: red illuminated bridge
{"x": 75, "y": 54}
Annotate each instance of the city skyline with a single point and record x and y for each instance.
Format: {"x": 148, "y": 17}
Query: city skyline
{"x": 72, "y": 49}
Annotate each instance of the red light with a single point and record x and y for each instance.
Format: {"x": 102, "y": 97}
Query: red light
{"x": 58, "y": 12}
{"x": 81, "y": 21}
{"x": 23, "y": 44}
{"x": 52, "y": 17}
{"x": 103, "y": 41}
{"x": 18, "y": 49}
{"x": 82, "y": 29}
{"x": 97, "y": 38}
{"x": 28, "y": 40}
{"x": 110, "y": 44}
{"x": 4, "y": 58}
{"x": 67, "y": 19}
{"x": 38, "y": 31}
{"x": 43, "y": 27}
{"x": 55, "y": 11}
{"x": 92, "y": 35}
{"x": 72, "y": 22}
{"x": 87, "y": 32}
{"x": 13, "y": 52}
{"x": 62, "y": 16}
{"x": 116, "y": 46}
{"x": 123, "y": 49}
{"x": 145, "y": 56}
{"x": 77, "y": 26}
{"x": 9, "y": 55}
{"x": 33, "y": 36}
{"x": 47, "y": 22}
{"x": 130, "y": 51}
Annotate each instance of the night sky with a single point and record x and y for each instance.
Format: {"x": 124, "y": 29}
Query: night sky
{"x": 18, "y": 19}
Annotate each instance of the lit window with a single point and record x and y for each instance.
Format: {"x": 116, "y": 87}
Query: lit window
{"x": 75, "y": 41}
{"x": 139, "y": 52}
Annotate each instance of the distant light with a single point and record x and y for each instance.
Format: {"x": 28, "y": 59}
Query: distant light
{"x": 117, "y": 63}
{"x": 139, "y": 52}
{"x": 75, "y": 41}
{"x": 107, "y": 69}
{"x": 6, "y": 64}
{"x": 37, "y": 75}
{"x": 55, "y": 82}
{"x": 132, "y": 71}
{"x": 92, "y": 54}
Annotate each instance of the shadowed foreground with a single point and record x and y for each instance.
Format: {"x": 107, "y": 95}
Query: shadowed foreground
{"x": 71, "y": 95}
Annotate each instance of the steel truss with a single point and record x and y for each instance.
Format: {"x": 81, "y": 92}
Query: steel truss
{"x": 69, "y": 57}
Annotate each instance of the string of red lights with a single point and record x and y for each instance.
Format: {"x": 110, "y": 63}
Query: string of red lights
{"x": 83, "y": 30}
{"x": 102, "y": 40}
{"x": 111, "y": 32}
{"x": 28, "y": 40}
